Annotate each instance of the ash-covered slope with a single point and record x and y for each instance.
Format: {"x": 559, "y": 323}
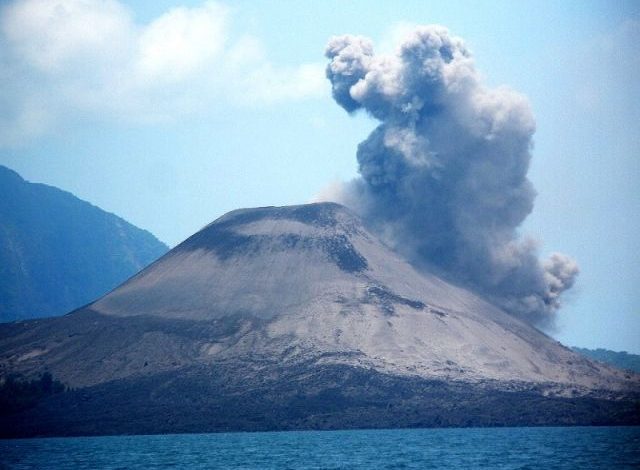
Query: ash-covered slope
{"x": 299, "y": 317}
{"x": 321, "y": 285}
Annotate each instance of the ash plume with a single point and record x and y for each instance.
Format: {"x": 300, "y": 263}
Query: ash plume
{"x": 444, "y": 175}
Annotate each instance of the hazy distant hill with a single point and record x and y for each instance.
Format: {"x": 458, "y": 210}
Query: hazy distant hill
{"x": 622, "y": 360}
{"x": 58, "y": 252}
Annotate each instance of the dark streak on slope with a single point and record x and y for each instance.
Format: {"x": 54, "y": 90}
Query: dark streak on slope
{"x": 221, "y": 238}
{"x": 387, "y": 299}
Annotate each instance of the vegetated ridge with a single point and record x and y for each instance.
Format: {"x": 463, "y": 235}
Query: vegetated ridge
{"x": 58, "y": 252}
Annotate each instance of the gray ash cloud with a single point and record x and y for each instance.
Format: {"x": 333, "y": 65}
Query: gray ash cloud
{"x": 444, "y": 175}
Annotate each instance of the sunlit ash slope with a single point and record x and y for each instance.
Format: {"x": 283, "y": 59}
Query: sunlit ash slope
{"x": 298, "y": 317}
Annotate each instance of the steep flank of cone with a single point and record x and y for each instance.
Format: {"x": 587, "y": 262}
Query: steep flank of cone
{"x": 298, "y": 317}
{"x": 257, "y": 262}
{"x": 310, "y": 283}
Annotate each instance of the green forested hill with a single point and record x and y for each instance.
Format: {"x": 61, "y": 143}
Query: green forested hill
{"x": 621, "y": 360}
{"x": 58, "y": 252}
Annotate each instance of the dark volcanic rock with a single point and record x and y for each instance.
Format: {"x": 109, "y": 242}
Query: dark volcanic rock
{"x": 267, "y": 397}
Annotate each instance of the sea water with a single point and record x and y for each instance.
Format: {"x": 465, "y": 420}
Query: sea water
{"x": 503, "y": 448}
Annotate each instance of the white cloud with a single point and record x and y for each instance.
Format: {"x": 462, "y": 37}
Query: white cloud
{"x": 182, "y": 41}
{"x": 65, "y": 58}
{"x": 51, "y": 35}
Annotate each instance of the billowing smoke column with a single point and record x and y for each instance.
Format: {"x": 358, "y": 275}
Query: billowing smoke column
{"x": 444, "y": 176}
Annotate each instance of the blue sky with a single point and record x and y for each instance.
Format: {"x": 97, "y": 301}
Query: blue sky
{"x": 240, "y": 115}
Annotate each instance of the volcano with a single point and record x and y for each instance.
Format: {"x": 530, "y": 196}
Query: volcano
{"x": 298, "y": 318}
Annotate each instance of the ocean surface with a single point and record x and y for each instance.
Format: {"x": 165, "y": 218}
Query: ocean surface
{"x": 503, "y": 448}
